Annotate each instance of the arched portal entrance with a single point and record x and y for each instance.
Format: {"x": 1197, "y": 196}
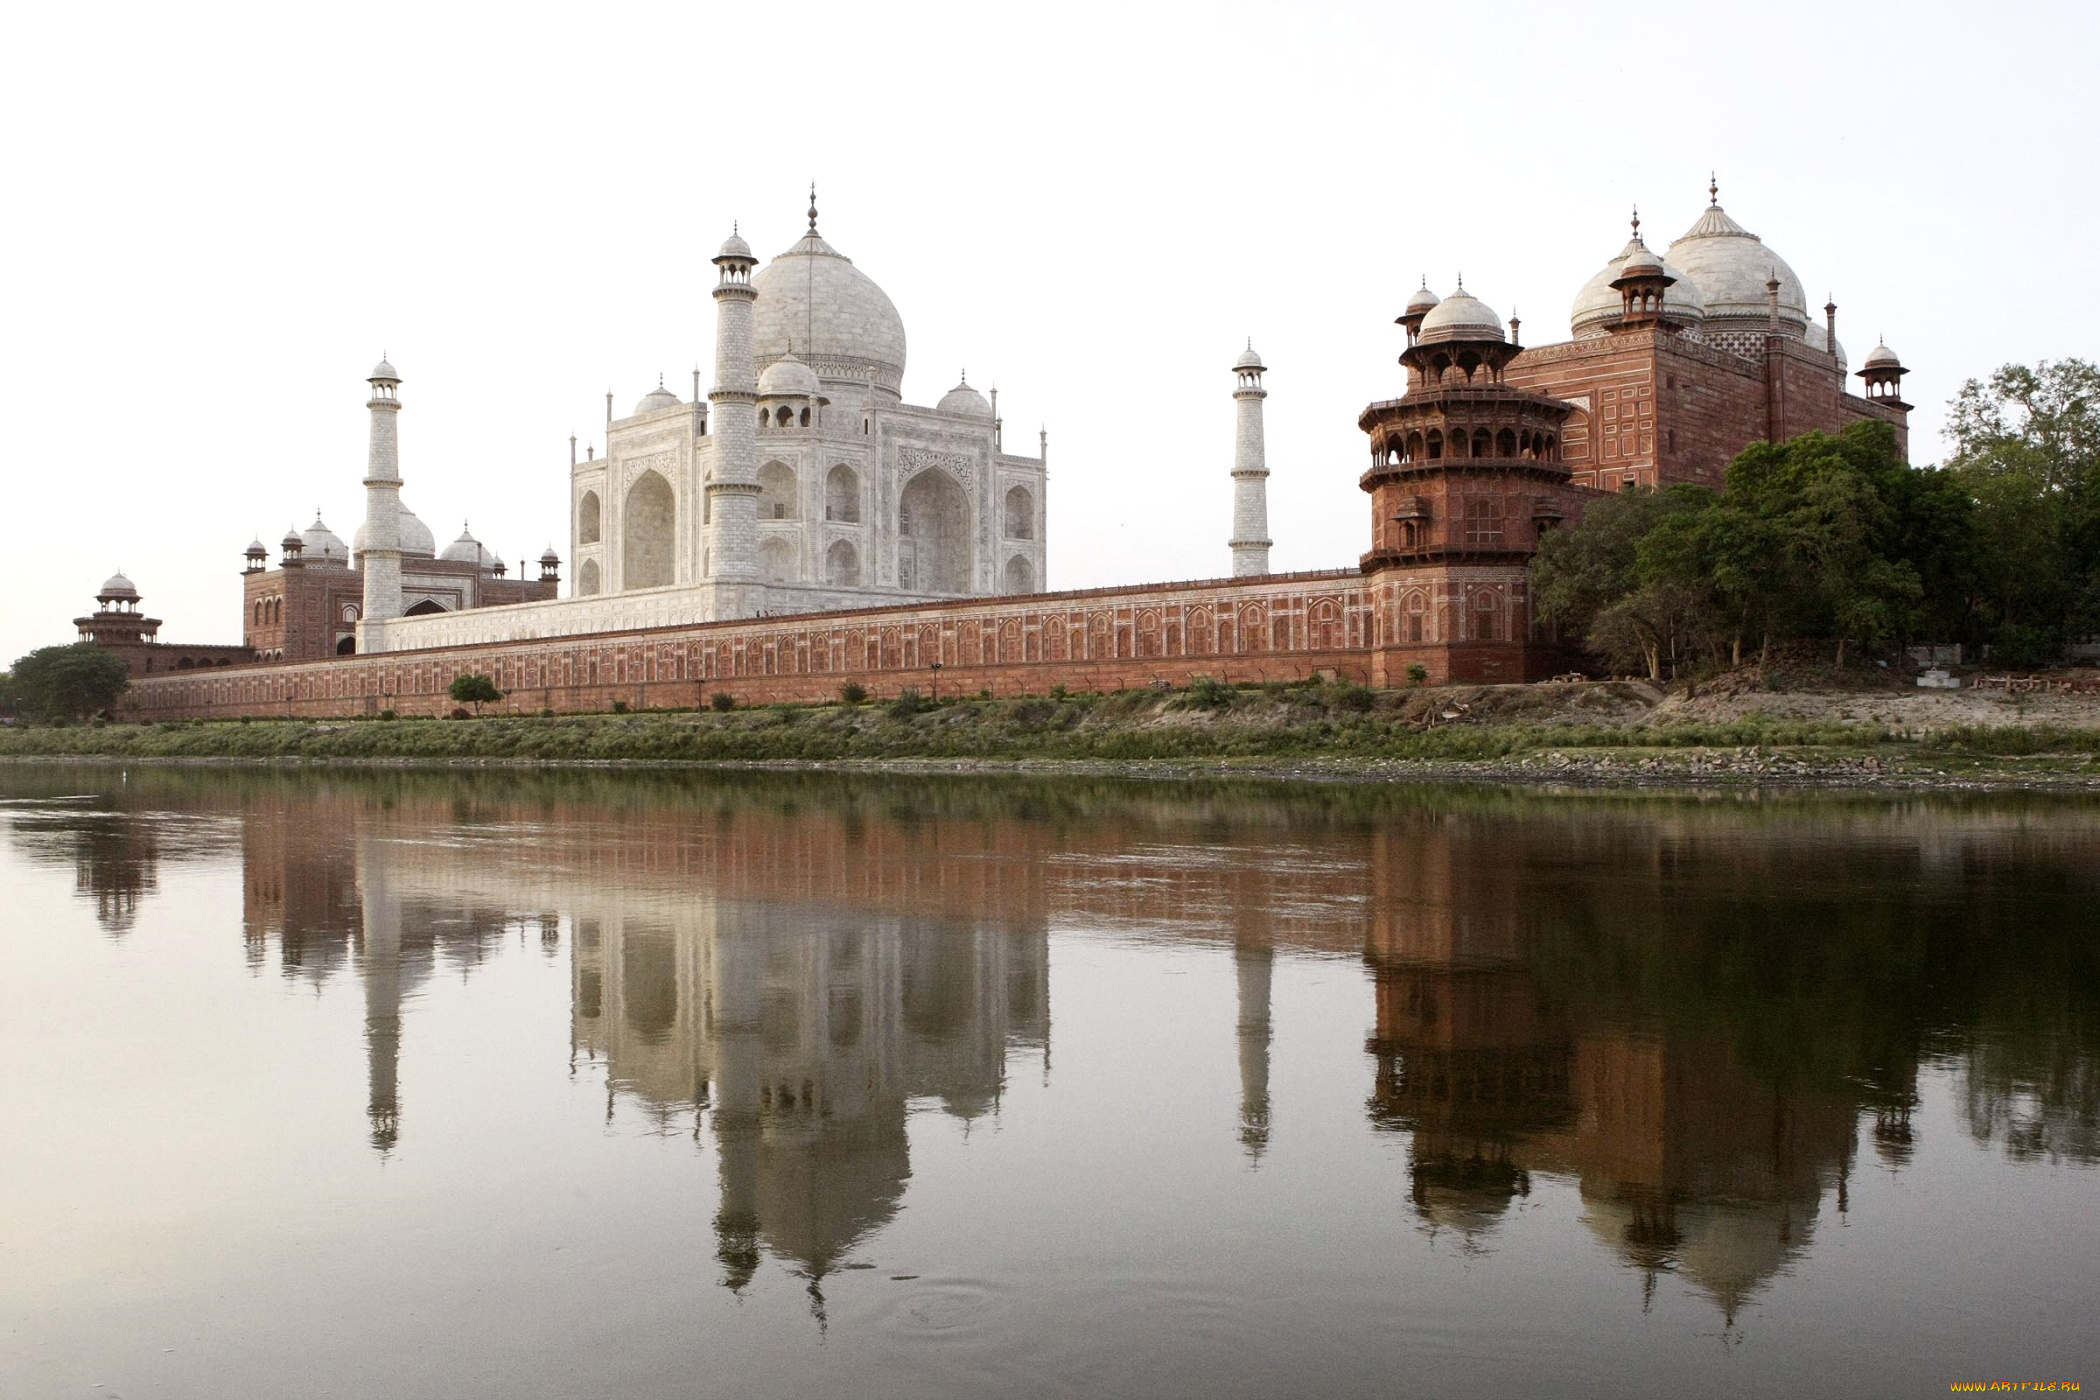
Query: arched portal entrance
{"x": 933, "y": 535}
{"x": 651, "y": 528}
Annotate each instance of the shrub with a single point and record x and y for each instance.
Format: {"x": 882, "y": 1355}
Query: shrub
{"x": 722, "y": 702}
{"x": 459, "y": 713}
{"x": 1348, "y": 695}
{"x": 853, "y": 692}
{"x": 474, "y": 689}
{"x": 908, "y": 703}
{"x": 1417, "y": 673}
{"x": 1210, "y": 693}
{"x": 1059, "y": 693}
{"x": 619, "y": 707}
{"x": 383, "y": 714}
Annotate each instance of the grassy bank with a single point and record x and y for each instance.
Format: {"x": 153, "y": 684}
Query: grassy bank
{"x": 1207, "y": 723}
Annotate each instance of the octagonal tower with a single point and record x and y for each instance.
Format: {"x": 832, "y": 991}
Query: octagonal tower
{"x": 1465, "y": 475}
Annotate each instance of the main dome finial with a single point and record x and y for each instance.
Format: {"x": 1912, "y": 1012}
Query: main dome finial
{"x": 1636, "y": 221}
{"x": 813, "y": 208}
{"x": 1713, "y": 189}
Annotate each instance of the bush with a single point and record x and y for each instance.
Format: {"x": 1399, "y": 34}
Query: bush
{"x": 458, "y": 713}
{"x": 853, "y": 692}
{"x": 1210, "y": 693}
{"x": 722, "y": 702}
{"x": 383, "y": 714}
{"x": 908, "y": 703}
{"x": 1348, "y": 695}
{"x": 474, "y": 689}
{"x": 619, "y": 707}
{"x": 1059, "y": 693}
{"x": 1417, "y": 673}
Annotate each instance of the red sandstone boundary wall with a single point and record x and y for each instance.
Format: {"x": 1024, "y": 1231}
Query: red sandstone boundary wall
{"x": 1277, "y": 627}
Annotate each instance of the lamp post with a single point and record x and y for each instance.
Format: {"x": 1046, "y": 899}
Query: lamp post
{"x": 936, "y": 669}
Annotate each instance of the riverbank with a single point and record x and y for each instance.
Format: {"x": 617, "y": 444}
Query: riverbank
{"x": 1613, "y": 733}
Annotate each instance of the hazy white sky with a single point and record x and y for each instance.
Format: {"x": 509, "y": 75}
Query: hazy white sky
{"x": 219, "y": 217}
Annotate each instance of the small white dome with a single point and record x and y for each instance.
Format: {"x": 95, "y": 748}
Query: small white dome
{"x": 1249, "y": 359}
{"x": 117, "y": 586}
{"x": 656, "y": 401}
{"x": 384, "y": 371}
{"x": 966, "y": 401}
{"x": 1461, "y": 316}
{"x": 319, "y": 544}
{"x": 734, "y": 247}
{"x": 1423, "y": 301}
{"x": 256, "y": 546}
{"x": 468, "y": 550}
{"x": 1881, "y": 356}
{"x": 1640, "y": 259}
{"x": 787, "y": 377}
{"x": 548, "y": 556}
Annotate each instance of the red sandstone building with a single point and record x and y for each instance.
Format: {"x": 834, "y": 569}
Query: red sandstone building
{"x": 1676, "y": 362}
{"x": 118, "y": 625}
{"x": 307, "y": 608}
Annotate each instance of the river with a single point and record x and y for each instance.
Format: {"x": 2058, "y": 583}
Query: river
{"x": 582, "y": 1083}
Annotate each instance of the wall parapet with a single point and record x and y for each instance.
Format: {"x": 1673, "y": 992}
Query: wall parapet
{"x": 1263, "y": 628}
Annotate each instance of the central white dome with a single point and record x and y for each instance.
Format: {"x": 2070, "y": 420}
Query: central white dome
{"x": 813, "y": 301}
{"x": 1732, "y": 266}
{"x": 416, "y": 540}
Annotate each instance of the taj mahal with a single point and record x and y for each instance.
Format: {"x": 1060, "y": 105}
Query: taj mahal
{"x": 802, "y": 482}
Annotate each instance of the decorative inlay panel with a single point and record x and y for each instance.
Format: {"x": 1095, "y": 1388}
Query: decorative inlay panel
{"x": 913, "y": 460}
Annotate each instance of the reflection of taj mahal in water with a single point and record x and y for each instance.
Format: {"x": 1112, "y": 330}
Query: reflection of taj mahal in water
{"x": 802, "y": 977}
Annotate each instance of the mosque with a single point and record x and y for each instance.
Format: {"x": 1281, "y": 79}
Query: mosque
{"x": 803, "y": 525}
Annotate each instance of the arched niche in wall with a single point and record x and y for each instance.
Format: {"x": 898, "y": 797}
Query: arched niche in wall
{"x": 588, "y": 518}
{"x": 933, "y": 534}
{"x": 648, "y": 558}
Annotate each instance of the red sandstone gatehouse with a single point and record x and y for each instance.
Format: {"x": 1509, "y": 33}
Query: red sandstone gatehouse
{"x": 1676, "y": 363}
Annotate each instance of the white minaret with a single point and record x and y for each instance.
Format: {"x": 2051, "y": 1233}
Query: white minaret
{"x": 1250, "y": 471}
{"x": 732, "y": 497}
{"x": 382, "y": 554}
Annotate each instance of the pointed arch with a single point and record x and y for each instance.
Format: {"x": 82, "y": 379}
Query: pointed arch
{"x": 649, "y": 557}
{"x": 934, "y": 535}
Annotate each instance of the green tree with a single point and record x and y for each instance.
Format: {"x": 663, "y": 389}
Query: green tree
{"x": 474, "y": 689}
{"x": 2027, "y": 453}
{"x": 55, "y": 684}
{"x": 1846, "y": 523}
{"x": 1591, "y": 582}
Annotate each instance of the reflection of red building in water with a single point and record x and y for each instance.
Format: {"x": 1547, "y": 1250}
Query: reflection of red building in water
{"x": 1685, "y": 1162}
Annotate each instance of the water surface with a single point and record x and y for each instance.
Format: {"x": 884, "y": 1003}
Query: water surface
{"x": 599, "y": 1084}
